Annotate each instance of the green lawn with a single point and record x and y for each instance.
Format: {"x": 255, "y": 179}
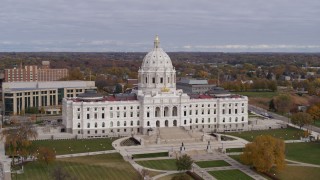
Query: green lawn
{"x": 217, "y": 163}
{"x": 106, "y": 166}
{"x": 298, "y": 172}
{"x": 258, "y": 94}
{"x": 289, "y": 133}
{"x": 234, "y": 174}
{"x": 317, "y": 123}
{"x": 72, "y": 146}
{"x": 235, "y": 157}
{"x": 163, "y": 164}
{"x": 304, "y": 152}
{"x": 151, "y": 155}
{"x": 230, "y": 150}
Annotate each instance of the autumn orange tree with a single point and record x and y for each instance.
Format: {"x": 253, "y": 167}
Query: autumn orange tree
{"x": 264, "y": 153}
{"x": 301, "y": 118}
{"x": 17, "y": 139}
{"x": 314, "y": 111}
{"x": 46, "y": 155}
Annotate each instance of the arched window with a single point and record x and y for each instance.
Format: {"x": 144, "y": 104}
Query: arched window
{"x": 148, "y": 123}
{"x": 157, "y": 112}
{"x": 103, "y": 124}
{"x": 131, "y": 123}
{"x": 95, "y": 125}
{"x": 118, "y": 123}
{"x": 224, "y": 120}
{"x": 242, "y": 119}
{"x": 88, "y": 125}
{"x": 174, "y": 111}
{"x": 125, "y": 123}
{"x": 196, "y": 120}
{"x": 185, "y": 121}
{"x": 111, "y": 124}
{"x": 166, "y": 112}
{"x": 236, "y": 119}
{"x": 78, "y": 125}
{"x": 138, "y": 123}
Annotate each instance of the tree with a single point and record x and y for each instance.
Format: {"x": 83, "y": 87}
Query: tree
{"x": 282, "y": 103}
{"x": 314, "y": 111}
{"x": 264, "y": 152}
{"x": 184, "y": 162}
{"x": 60, "y": 174}
{"x": 46, "y": 155}
{"x": 17, "y": 139}
{"x": 301, "y": 119}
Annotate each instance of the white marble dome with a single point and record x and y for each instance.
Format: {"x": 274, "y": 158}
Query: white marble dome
{"x": 156, "y": 58}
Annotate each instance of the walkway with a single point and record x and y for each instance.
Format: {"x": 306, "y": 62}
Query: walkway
{"x": 128, "y": 151}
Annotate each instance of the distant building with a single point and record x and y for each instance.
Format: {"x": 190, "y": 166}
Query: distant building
{"x": 198, "y": 86}
{"x": 19, "y": 96}
{"x": 34, "y": 73}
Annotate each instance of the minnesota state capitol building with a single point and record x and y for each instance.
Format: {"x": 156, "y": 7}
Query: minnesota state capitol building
{"x": 156, "y": 103}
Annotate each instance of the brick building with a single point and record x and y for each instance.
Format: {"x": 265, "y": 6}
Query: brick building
{"x": 34, "y": 73}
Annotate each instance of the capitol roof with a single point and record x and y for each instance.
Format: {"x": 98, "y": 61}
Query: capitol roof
{"x": 156, "y": 58}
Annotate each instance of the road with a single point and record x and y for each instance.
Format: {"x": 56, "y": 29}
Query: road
{"x": 259, "y": 110}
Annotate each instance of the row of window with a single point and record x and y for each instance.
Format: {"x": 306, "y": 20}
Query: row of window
{"x": 102, "y": 125}
{"x": 111, "y": 108}
{"x": 112, "y": 115}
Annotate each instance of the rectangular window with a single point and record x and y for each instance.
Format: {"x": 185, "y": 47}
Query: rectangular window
{"x": 153, "y": 80}
{"x": 95, "y": 115}
{"x": 102, "y": 115}
{"x": 131, "y": 114}
{"x": 148, "y": 114}
{"x": 111, "y": 114}
{"x": 88, "y": 116}
{"x": 185, "y": 113}
{"x": 161, "y": 80}
{"x": 78, "y": 116}
{"x": 124, "y": 114}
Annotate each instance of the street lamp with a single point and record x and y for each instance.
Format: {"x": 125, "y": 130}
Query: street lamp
{"x": 192, "y": 168}
{"x": 202, "y": 173}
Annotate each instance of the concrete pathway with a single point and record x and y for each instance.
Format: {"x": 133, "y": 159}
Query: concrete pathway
{"x": 298, "y": 163}
{"x": 85, "y": 154}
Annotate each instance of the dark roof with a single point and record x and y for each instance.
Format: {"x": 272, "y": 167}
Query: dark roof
{"x": 90, "y": 93}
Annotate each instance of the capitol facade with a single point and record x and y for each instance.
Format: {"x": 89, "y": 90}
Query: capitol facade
{"x": 155, "y": 103}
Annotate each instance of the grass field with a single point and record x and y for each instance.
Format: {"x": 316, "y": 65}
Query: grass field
{"x": 285, "y": 134}
{"x": 163, "y": 164}
{"x": 151, "y": 155}
{"x": 298, "y": 172}
{"x": 234, "y": 174}
{"x": 106, "y": 166}
{"x": 235, "y": 157}
{"x": 258, "y": 94}
{"x": 72, "y": 146}
{"x": 317, "y": 123}
{"x": 304, "y": 152}
{"x": 230, "y": 150}
{"x": 217, "y": 163}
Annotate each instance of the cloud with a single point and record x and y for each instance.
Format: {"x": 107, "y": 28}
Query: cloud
{"x": 130, "y": 25}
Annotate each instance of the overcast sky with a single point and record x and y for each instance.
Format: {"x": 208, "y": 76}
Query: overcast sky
{"x": 182, "y": 25}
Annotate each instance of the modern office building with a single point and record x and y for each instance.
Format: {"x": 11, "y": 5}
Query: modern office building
{"x": 18, "y": 97}
{"x": 34, "y": 73}
{"x": 156, "y": 103}
{"x": 194, "y": 86}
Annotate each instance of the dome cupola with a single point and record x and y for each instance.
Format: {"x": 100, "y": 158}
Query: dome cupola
{"x": 157, "y": 72}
